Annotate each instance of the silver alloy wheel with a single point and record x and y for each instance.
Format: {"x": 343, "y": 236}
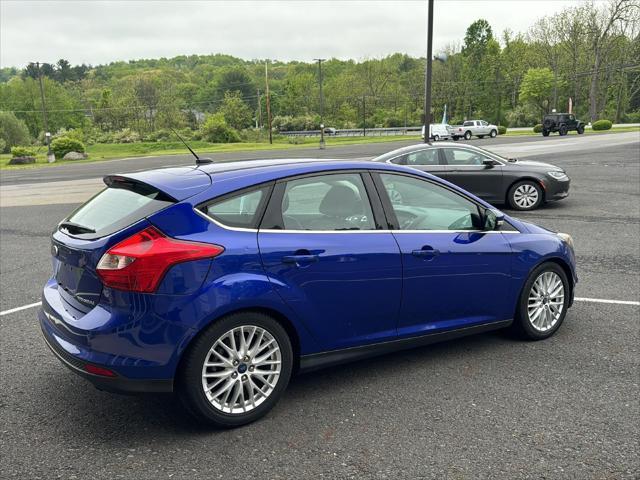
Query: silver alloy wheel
{"x": 526, "y": 196}
{"x": 241, "y": 369}
{"x": 546, "y": 301}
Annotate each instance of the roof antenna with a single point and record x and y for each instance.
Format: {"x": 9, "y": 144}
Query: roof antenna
{"x": 199, "y": 161}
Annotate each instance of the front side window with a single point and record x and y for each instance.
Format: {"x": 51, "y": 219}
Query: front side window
{"x": 462, "y": 156}
{"x": 484, "y": 124}
{"x": 332, "y": 202}
{"x": 237, "y": 211}
{"x": 421, "y": 205}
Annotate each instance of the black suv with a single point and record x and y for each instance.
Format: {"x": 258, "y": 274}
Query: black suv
{"x": 561, "y": 123}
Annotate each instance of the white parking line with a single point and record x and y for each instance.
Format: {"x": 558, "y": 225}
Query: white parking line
{"x": 17, "y": 309}
{"x": 604, "y": 300}
{"x": 577, "y": 299}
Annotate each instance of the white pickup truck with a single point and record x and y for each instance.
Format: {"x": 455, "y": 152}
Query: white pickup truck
{"x": 473, "y": 128}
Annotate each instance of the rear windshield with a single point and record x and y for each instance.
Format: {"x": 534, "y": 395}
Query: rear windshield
{"x": 113, "y": 209}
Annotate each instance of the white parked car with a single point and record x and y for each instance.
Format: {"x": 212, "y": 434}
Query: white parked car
{"x": 473, "y": 128}
{"x": 438, "y": 131}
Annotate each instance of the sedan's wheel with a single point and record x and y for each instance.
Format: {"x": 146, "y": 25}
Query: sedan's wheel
{"x": 543, "y": 302}
{"x": 493, "y": 134}
{"x": 236, "y": 371}
{"x": 526, "y": 195}
{"x": 467, "y": 135}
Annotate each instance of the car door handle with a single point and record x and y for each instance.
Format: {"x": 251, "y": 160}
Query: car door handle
{"x": 426, "y": 252}
{"x": 300, "y": 259}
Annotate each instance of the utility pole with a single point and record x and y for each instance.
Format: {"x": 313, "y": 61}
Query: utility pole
{"x": 47, "y": 135}
{"x": 364, "y": 116}
{"x": 427, "y": 83}
{"x": 320, "y": 60}
{"x": 266, "y": 80}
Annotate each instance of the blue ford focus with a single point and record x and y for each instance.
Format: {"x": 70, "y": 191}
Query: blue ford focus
{"x": 219, "y": 282}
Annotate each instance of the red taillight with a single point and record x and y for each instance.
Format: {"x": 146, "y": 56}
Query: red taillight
{"x": 138, "y": 263}
{"x": 95, "y": 370}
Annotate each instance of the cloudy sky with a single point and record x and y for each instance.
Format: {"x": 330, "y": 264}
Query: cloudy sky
{"x": 95, "y": 32}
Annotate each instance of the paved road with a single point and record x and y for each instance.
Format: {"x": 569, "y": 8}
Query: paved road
{"x": 520, "y": 146}
{"x": 481, "y": 407}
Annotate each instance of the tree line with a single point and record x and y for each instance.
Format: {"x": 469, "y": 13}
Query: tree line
{"x": 589, "y": 53}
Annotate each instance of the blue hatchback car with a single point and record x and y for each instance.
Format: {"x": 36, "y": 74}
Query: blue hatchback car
{"x": 219, "y": 282}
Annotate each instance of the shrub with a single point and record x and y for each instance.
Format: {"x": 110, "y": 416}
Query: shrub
{"x": 502, "y": 129}
{"x": 126, "y": 135}
{"x": 3, "y": 145}
{"x": 13, "y": 131}
{"x": 63, "y": 145}
{"x": 215, "y": 130}
{"x": 22, "y": 152}
{"x": 602, "y": 125}
{"x": 632, "y": 117}
{"x": 537, "y": 128}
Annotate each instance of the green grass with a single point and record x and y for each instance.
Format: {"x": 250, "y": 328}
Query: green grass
{"x": 106, "y": 151}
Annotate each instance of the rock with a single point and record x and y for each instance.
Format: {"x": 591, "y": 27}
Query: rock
{"x": 22, "y": 160}
{"x": 75, "y": 156}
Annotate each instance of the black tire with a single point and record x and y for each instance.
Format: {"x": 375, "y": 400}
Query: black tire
{"x": 563, "y": 130}
{"x": 518, "y": 205}
{"x": 190, "y": 388}
{"x": 436, "y": 138}
{"x": 455, "y": 139}
{"x": 545, "y": 132}
{"x": 480, "y": 136}
{"x": 493, "y": 134}
{"x": 580, "y": 129}
{"x": 467, "y": 135}
{"x": 522, "y": 326}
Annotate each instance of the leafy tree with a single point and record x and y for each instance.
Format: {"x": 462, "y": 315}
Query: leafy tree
{"x": 13, "y": 131}
{"x": 215, "y": 129}
{"x": 537, "y": 87}
{"x": 235, "y": 111}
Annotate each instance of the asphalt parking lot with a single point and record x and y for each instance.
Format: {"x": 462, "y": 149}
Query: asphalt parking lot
{"x": 481, "y": 407}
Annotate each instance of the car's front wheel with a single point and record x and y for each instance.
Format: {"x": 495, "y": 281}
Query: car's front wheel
{"x": 493, "y": 134}
{"x": 580, "y": 129}
{"x": 525, "y": 195}
{"x": 436, "y": 138}
{"x": 236, "y": 371}
{"x": 543, "y": 302}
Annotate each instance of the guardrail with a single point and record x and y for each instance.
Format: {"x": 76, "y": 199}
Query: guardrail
{"x": 357, "y": 132}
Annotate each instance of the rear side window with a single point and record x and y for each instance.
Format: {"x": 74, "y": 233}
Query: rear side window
{"x": 240, "y": 211}
{"x": 113, "y": 209}
{"x": 468, "y": 124}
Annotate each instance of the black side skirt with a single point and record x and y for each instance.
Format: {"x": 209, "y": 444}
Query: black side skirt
{"x": 317, "y": 361}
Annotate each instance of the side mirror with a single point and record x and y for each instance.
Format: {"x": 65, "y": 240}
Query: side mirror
{"x": 487, "y": 162}
{"x": 493, "y": 220}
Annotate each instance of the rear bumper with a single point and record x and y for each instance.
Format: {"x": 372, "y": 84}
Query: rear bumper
{"x": 117, "y": 384}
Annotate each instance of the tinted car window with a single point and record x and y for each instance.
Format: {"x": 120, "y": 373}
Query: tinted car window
{"x": 115, "y": 208}
{"x": 422, "y": 157}
{"x": 468, "y": 124}
{"x": 327, "y": 202}
{"x": 422, "y": 205}
{"x": 462, "y": 156}
{"x": 237, "y": 211}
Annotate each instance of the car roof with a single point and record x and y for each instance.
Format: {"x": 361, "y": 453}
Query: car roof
{"x": 422, "y": 146}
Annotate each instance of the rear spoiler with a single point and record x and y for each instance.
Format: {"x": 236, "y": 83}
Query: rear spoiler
{"x": 177, "y": 183}
{"x": 135, "y": 185}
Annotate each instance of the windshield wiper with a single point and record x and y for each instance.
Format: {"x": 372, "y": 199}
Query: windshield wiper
{"x": 76, "y": 227}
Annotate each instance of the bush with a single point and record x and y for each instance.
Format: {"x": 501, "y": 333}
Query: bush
{"x": 502, "y": 129}
{"x": 3, "y": 145}
{"x": 632, "y": 117}
{"x": 537, "y": 128}
{"x": 215, "y": 130}
{"x": 126, "y": 135}
{"x": 63, "y": 145}
{"x": 602, "y": 125}
{"x": 13, "y": 131}
{"x": 22, "y": 152}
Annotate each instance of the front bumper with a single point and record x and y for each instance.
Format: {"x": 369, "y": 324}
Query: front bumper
{"x": 556, "y": 190}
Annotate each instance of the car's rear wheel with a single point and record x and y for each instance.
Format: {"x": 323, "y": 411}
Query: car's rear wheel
{"x": 563, "y": 130}
{"x": 493, "y": 134}
{"x": 545, "y": 132}
{"x": 236, "y": 371}
{"x": 543, "y": 302}
{"x": 525, "y": 195}
{"x": 467, "y": 135}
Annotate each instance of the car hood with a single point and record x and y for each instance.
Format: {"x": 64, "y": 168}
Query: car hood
{"x": 538, "y": 166}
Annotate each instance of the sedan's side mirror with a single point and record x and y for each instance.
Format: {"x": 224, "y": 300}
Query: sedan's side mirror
{"x": 487, "y": 162}
{"x": 493, "y": 220}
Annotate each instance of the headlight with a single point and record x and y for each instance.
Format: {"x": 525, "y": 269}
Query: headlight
{"x": 566, "y": 238}
{"x": 558, "y": 175}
